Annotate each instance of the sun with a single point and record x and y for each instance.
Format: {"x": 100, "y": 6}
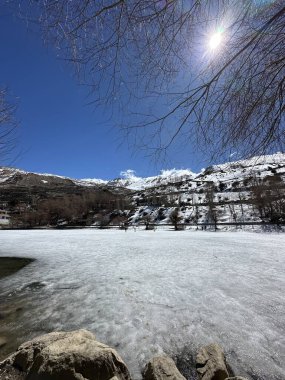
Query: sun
{"x": 215, "y": 40}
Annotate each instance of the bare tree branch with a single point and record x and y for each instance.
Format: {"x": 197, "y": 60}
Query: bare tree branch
{"x": 8, "y": 126}
{"x": 150, "y": 60}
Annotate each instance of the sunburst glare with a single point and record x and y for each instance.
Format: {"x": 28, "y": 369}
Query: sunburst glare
{"x": 215, "y": 40}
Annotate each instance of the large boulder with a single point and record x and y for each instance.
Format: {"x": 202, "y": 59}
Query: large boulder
{"x": 161, "y": 368}
{"x": 211, "y": 364}
{"x": 72, "y": 355}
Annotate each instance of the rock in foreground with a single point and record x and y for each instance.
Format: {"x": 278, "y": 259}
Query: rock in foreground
{"x": 211, "y": 363}
{"x": 65, "y": 356}
{"x": 161, "y": 368}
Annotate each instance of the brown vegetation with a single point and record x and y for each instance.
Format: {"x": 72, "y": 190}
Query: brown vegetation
{"x": 83, "y": 209}
{"x": 268, "y": 198}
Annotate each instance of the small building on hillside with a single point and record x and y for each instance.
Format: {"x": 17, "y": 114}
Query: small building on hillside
{"x": 4, "y": 218}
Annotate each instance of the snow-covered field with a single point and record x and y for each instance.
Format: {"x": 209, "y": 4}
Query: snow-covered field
{"x": 150, "y": 292}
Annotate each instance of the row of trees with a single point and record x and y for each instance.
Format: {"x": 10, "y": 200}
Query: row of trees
{"x": 81, "y": 209}
{"x": 268, "y": 198}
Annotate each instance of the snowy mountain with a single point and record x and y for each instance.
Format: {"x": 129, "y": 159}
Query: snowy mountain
{"x": 224, "y": 172}
{"x": 132, "y": 182}
{"x": 21, "y": 177}
{"x": 236, "y": 192}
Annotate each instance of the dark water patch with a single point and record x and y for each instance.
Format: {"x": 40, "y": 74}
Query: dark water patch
{"x": 11, "y": 265}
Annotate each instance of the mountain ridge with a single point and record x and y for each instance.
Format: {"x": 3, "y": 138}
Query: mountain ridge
{"x": 133, "y": 182}
{"x": 244, "y": 191}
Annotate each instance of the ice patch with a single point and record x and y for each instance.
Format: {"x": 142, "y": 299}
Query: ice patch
{"x": 146, "y": 293}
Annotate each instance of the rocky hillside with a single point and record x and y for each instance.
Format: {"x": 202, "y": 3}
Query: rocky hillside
{"x": 238, "y": 192}
{"x": 43, "y": 199}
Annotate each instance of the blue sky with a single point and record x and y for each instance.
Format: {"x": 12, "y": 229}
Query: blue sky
{"x": 59, "y": 133}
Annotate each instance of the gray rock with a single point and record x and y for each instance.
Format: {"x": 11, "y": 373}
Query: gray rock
{"x": 210, "y": 363}
{"x": 161, "y": 368}
{"x": 72, "y": 355}
{"x": 236, "y": 378}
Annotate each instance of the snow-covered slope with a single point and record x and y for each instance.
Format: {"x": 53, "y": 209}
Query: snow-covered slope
{"x": 8, "y": 174}
{"x": 13, "y": 175}
{"x": 227, "y": 186}
{"x": 260, "y": 166}
{"x": 132, "y": 182}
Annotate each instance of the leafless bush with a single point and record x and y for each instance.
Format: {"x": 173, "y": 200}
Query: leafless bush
{"x": 268, "y": 198}
{"x": 175, "y": 218}
{"x": 69, "y": 209}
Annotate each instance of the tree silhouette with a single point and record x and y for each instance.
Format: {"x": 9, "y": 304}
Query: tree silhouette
{"x": 231, "y": 97}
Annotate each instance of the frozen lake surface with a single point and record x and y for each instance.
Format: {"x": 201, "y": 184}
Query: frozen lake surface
{"x": 148, "y": 293}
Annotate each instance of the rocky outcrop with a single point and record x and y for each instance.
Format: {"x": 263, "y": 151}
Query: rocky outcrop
{"x": 77, "y": 355}
{"x": 210, "y": 363}
{"x": 161, "y": 368}
{"x": 66, "y": 356}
